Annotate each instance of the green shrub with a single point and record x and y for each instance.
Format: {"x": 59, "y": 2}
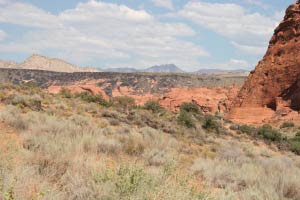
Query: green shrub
{"x": 210, "y": 123}
{"x": 189, "y": 107}
{"x": 66, "y": 93}
{"x": 287, "y": 125}
{"x": 85, "y": 96}
{"x": 154, "y": 106}
{"x": 186, "y": 119}
{"x": 247, "y": 129}
{"x": 269, "y": 133}
{"x": 295, "y": 145}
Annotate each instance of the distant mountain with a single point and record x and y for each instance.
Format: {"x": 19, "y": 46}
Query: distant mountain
{"x": 7, "y": 64}
{"x": 218, "y": 71}
{"x": 122, "y": 70}
{"x": 169, "y": 68}
{"x": 38, "y": 62}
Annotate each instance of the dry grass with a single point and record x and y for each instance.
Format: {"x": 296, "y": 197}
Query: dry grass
{"x": 72, "y": 149}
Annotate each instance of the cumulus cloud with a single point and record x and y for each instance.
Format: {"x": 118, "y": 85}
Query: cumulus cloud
{"x": 27, "y": 15}
{"x": 248, "y": 49}
{"x": 231, "y": 21}
{"x": 114, "y": 34}
{"x": 168, "y": 4}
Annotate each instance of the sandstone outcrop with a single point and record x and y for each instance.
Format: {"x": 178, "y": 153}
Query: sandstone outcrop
{"x": 273, "y": 88}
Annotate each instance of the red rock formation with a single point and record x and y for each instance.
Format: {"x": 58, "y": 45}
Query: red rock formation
{"x": 276, "y": 79}
{"x": 209, "y": 100}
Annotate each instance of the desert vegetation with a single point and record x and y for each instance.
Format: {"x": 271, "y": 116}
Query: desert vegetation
{"x": 80, "y": 146}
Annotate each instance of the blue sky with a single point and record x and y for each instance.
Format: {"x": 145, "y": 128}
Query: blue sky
{"x": 193, "y": 34}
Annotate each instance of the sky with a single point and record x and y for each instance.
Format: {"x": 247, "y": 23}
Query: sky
{"x": 192, "y": 34}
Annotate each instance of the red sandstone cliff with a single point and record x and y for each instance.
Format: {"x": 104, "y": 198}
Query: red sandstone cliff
{"x": 275, "y": 83}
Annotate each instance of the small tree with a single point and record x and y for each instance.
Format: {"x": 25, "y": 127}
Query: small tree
{"x": 190, "y": 107}
{"x": 210, "y": 123}
{"x": 186, "y": 119}
{"x": 154, "y": 106}
{"x": 269, "y": 133}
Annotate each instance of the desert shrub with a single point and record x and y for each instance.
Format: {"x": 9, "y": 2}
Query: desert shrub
{"x": 126, "y": 180}
{"x": 34, "y": 102}
{"x": 2, "y": 96}
{"x": 80, "y": 120}
{"x": 246, "y": 129}
{"x": 114, "y": 122}
{"x": 85, "y": 96}
{"x": 66, "y": 93}
{"x": 295, "y": 146}
{"x": 267, "y": 132}
{"x": 189, "y": 107}
{"x": 13, "y": 116}
{"x": 124, "y": 102}
{"x": 186, "y": 119}
{"x": 287, "y": 125}
{"x": 108, "y": 146}
{"x": 157, "y": 157}
{"x": 154, "y": 106}
{"x": 210, "y": 123}
{"x": 134, "y": 147}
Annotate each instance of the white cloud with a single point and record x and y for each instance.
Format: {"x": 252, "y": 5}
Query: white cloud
{"x": 231, "y": 21}
{"x": 2, "y": 35}
{"x": 231, "y": 64}
{"x": 168, "y": 4}
{"x": 248, "y": 49}
{"x": 4, "y": 1}
{"x": 96, "y": 31}
{"x": 27, "y": 15}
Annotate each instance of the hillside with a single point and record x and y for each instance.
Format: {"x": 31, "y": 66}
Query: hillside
{"x": 63, "y": 146}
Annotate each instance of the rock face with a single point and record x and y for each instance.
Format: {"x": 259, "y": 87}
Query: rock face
{"x": 39, "y": 62}
{"x": 275, "y": 83}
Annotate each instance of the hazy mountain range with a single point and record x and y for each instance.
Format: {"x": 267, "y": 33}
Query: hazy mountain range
{"x": 39, "y": 62}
